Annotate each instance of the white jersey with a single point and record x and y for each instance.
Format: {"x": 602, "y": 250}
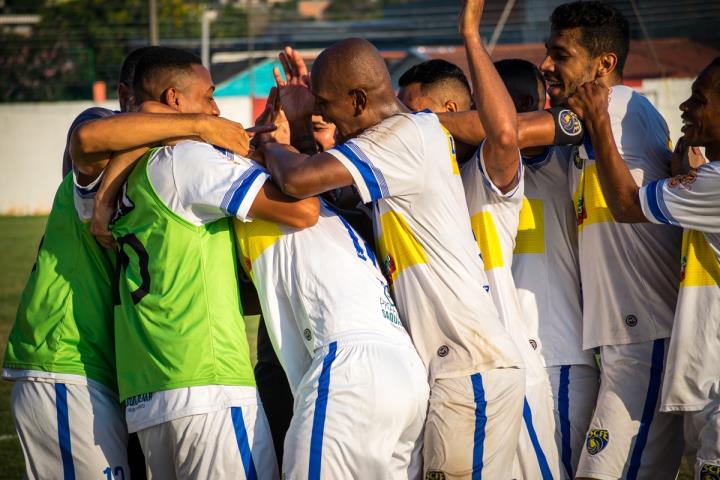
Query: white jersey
{"x": 494, "y": 217}
{"x": 406, "y": 165}
{"x": 692, "y": 378}
{"x": 545, "y": 261}
{"x": 628, "y": 272}
{"x": 227, "y": 187}
{"x": 316, "y": 286}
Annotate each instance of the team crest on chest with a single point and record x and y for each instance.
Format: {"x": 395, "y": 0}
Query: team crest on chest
{"x": 709, "y": 472}
{"x": 596, "y": 441}
{"x": 389, "y": 268}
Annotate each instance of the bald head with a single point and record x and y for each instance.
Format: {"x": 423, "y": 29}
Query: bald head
{"x": 352, "y": 87}
{"x": 350, "y": 64}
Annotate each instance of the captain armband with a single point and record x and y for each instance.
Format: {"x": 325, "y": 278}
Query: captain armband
{"x": 568, "y": 127}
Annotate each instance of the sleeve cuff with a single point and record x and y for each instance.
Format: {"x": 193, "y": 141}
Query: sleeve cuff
{"x": 369, "y": 180}
{"x": 241, "y": 195}
{"x": 653, "y": 205}
{"x": 511, "y": 194}
{"x": 89, "y": 190}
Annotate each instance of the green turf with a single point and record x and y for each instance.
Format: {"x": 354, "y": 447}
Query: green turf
{"x": 19, "y": 238}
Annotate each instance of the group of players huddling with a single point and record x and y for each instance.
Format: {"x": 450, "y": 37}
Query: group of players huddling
{"x": 419, "y": 274}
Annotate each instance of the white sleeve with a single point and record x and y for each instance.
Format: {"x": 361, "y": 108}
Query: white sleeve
{"x": 690, "y": 201}
{"x": 387, "y": 160}
{"x": 203, "y": 183}
{"x": 84, "y": 196}
{"x": 516, "y": 192}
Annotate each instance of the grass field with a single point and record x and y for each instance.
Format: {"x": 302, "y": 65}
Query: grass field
{"x": 19, "y": 238}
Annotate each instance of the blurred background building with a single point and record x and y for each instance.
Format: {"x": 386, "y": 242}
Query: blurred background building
{"x": 58, "y": 57}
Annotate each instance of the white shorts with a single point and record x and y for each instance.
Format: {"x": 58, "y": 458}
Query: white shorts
{"x": 575, "y": 391}
{"x": 628, "y": 437}
{"x": 473, "y": 425}
{"x": 233, "y": 443}
{"x": 359, "y": 413}
{"x": 537, "y": 455}
{"x": 702, "y": 441}
{"x": 69, "y": 431}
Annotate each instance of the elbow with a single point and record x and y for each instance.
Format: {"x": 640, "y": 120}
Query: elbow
{"x": 292, "y": 184}
{"x": 507, "y": 137}
{"x": 82, "y": 138}
{"x": 307, "y": 213}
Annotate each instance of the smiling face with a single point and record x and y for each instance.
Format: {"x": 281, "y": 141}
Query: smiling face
{"x": 567, "y": 64}
{"x": 701, "y": 112}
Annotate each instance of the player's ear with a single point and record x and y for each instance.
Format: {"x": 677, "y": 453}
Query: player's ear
{"x": 451, "y": 106}
{"x": 607, "y": 64}
{"x": 171, "y": 98}
{"x": 359, "y": 99}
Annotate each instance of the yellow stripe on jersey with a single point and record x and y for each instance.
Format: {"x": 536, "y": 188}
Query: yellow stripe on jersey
{"x": 590, "y": 204}
{"x": 451, "y": 149}
{"x": 253, "y": 239}
{"x": 487, "y": 239}
{"x": 398, "y": 245}
{"x": 699, "y": 266}
{"x": 531, "y": 230}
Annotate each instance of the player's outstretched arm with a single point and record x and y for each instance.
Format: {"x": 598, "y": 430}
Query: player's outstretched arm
{"x": 273, "y": 205}
{"x": 92, "y": 142}
{"x": 494, "y": 105}
{"x": 301, "y": 176}
{"x": 590, "y": 102}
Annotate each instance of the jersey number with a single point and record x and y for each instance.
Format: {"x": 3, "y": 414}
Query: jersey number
{"x": 143, "y": 259}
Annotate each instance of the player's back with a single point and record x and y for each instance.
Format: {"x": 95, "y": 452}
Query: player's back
{"x": 629, "y": 272}
{"x": 426, "y": 246}
{"x": 316, "y": 286}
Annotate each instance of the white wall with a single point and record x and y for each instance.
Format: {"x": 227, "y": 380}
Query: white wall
{"x": 32, "y": 136}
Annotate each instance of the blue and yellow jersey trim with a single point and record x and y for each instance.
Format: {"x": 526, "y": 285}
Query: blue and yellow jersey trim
{"x": 372, "y": 176}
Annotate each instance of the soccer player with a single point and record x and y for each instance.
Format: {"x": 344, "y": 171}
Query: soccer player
{"x": 691, "y": 382}
{"x": 629, "y": 273}
{"x": 436, "y": 85}
{"x": 404, "y": 163}
{"x": 546, "y": 273}
{"x": 360, "y": 387}
{"x": 494, "y": 183}
{"x": 61, "y": 350}
{"x": 182, "y": 355}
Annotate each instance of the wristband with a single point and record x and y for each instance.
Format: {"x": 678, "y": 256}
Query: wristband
{"x": 568, "y": 127}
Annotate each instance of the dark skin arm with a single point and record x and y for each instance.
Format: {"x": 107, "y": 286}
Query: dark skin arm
{"x": 495, "y": 108}
{"x": 535, "y": 129}
{"x": 302, "y": 176}
{"x": 590, "y": 102}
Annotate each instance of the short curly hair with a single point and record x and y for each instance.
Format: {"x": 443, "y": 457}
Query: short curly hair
{"x": 603, "y": 28}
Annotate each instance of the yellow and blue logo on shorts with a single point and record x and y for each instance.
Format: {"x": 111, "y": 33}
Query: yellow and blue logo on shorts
{"x": 435, "y": 475}
{"x": 596, "y": 441}
{"x": 709, "y": 472}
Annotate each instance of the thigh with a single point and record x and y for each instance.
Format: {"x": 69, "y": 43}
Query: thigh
{"x": 230, "y": 443}
{"x": 537, "y": 453}
{"x": 69, "y": 430}
{"x": 706, "y": 429}
{"x": 473, "y": 425}
{"x": 628, "y": 437}
{"x": 575, "y": 390}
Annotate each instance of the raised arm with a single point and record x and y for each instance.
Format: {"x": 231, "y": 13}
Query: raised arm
{"x": 590, "y": 102}
{"x": 494, "y": 105}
